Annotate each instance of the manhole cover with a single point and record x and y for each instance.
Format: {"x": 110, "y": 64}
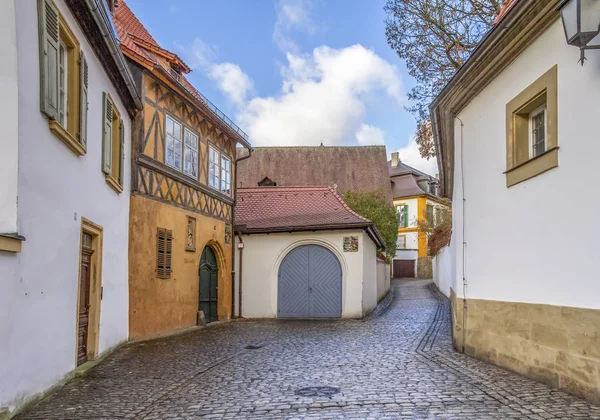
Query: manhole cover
{"x": 317, "y": 391}
{"x": 254, "y": 346}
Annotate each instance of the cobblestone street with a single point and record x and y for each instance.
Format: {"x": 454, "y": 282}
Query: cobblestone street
{"x": 396, "y": 364}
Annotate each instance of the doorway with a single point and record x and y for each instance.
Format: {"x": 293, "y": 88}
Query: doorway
{"x": 208, "y": 288}
{"x": 84, "y": 298}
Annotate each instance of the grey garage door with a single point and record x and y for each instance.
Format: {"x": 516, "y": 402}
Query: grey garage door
{"x": 310, "y": 284}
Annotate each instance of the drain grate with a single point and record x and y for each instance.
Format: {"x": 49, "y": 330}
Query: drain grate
{"x": 254, "y": 346}
{"x": 317, "y": 391}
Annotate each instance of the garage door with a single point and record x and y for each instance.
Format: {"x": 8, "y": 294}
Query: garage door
{"x": 310, "y": 284}
{"x": 404, "y": 268}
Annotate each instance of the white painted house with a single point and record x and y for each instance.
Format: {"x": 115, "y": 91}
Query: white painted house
{"x": 517, "y": 133}
{"x": 302, "y": 253}
{"x": 64, "y": 196}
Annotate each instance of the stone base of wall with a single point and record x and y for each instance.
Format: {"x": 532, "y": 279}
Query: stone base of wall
{"x": 425, "y": 267}
{"x": 557, "y": 345}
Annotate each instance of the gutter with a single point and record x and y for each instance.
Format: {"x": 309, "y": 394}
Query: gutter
{"x": 250, "y": 150}
{"x": 98, "y": 11}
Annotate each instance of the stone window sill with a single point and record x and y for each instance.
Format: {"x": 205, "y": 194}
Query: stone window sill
{"x": 11, "y": 242}
{"x": 114, "y": 184}
{"x": 533, "y": 167}
{"x": 67, "y": 138}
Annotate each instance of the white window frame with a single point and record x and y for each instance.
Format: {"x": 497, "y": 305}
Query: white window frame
{"x": 63, "y": 82}
{"x": 532, "y": 115}
{"x": 216, "y": 166}
{"x": 225, "y": 176}
{"x": 167, "y": 135}
{"x": 398, "y": 239}
{"x": 191, "y": 149}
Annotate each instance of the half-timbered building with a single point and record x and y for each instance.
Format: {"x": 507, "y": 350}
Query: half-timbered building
{"x": 183, "y": 164}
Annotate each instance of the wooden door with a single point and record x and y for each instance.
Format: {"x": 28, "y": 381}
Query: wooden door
{"x": 84, "y": 299}
{"x": 404, "y": 268}
{"x": 208, "y": 287}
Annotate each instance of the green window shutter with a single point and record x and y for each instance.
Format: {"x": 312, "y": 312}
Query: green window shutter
{"x": 83, "y": 95}
{"x": 405, "y": 221}
{"x": 107, "y": 116}
{"x": 121, "y": 151}
{"x": 49, "y": 49}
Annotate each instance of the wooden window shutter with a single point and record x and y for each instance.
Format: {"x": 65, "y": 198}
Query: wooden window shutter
{"x": 107, "y": 116}
{"x": 83, "y": 99}
{"x": 164, "y": 245}
{"x": 405, "y": 221}
{"x": 121, "y": 151}
{"x": 49, "y": 50}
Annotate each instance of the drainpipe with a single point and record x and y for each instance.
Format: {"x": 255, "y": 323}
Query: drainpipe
{"x": 232, "y": 234}
{"x": 464, "y": 242}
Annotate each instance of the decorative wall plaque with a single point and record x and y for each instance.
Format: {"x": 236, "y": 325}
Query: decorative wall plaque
{"x": 350, "y": 243}
{"x": 227, "y": 234}
{"x": 190, "y": 244}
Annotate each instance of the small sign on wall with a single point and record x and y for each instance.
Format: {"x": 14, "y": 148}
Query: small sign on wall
{"x": 350, "y": 243}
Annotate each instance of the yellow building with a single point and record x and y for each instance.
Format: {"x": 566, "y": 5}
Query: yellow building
{"x": 416, "y": 199}
{"x": 183, "y": 165}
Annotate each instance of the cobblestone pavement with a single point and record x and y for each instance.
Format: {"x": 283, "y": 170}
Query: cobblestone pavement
{"x": 397, "y": 364}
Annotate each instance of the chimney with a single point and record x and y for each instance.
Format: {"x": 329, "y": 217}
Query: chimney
{"x": 395, "y": 159}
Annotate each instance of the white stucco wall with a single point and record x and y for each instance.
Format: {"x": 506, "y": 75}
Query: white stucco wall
{"x": 535, "y": 242}
{"x": 9, "y": 117}
{"x": 443, "y": 270}
{"x": 38, "y": 292}
{"x": 369, "y": 280}
{"x": 264, "y": 253}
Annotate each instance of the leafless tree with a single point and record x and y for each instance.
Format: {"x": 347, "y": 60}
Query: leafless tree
{"x": 434, "y": 38}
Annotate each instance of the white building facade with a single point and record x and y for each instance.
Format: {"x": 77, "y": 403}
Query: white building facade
{"x": 64, "y": 204}
{"x": 521, "y": 266}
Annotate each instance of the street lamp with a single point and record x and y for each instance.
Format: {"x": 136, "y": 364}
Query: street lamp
{"x": 581, "y": 20}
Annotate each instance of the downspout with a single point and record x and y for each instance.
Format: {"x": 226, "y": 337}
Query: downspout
{"x": 464, "y": 242}
{"x": 235, "y": 180}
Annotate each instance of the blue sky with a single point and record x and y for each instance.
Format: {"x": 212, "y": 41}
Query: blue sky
{"x": 293, "y": 72}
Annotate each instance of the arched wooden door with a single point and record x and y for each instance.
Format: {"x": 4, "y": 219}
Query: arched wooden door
{"x": 209, "y": 280}
{"x": 310, "y": 284}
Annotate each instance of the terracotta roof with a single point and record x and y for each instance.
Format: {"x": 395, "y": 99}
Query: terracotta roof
{"x": 350, "y": 168}
{"x": 506, "y": 5}
{"x": 296, "y": 208}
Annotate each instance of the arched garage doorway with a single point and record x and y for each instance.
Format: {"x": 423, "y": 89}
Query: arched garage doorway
{"x": 209, "y": 279}
{"x": 309, "y": 284}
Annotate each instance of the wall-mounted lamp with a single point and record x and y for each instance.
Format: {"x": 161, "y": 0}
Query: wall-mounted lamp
{"x": 581, "y": 20}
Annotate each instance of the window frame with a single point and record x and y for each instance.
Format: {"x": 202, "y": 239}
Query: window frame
{"x": 196, "y": 150}
{"x": 397, "y": 239}
{"x": 539, "y": 110}
{"x": 227, "y": 173}
{"x": 181, "y": 133}
{"x": 114, "y": 178}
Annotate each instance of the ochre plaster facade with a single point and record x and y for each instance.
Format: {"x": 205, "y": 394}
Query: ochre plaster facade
{"x": 557, "y": 345}
{"x": 158, "y": 306}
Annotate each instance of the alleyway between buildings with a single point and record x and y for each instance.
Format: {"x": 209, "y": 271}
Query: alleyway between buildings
{"x": 396, "y": 364}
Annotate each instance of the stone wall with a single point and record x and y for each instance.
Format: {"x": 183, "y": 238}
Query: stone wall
{"x": 557, "y": 345}
{"x": 424, "y": 268}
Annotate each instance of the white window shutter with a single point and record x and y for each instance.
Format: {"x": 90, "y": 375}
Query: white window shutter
{"x": 107, "y": 116}
{"x": 49, "y": 50}
{"x": 83, "y": 100}
{"x": 121, "y": 151}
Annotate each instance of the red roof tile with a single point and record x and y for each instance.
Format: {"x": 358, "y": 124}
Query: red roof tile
{"x": 264, "y": 208}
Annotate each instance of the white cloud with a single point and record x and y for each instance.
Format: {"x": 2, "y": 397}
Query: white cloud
{"x": 322, "y": 99}
{"x": 230, "y": 79}
{"x": 369, "y": 135}
{"x": 292, "y": 15}
{"x": 410, "y": 155}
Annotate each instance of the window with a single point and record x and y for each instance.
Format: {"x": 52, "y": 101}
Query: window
{"x": 173, "y": 153}
{"x": 113, "y": 144}
{"x": 429, "y": 213}
{"x": 537, "y": 131}
{"x": 63, "y": 79}
{"x": 164, "y": 244}
{"x": 531, "y": 130}
{"x": 402, "y": 215}
{"x": 190, "y": 154}
{"x": 225, "y": 175}
{"x": 401, "y": 242}
{"x": 213, "y": 167}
